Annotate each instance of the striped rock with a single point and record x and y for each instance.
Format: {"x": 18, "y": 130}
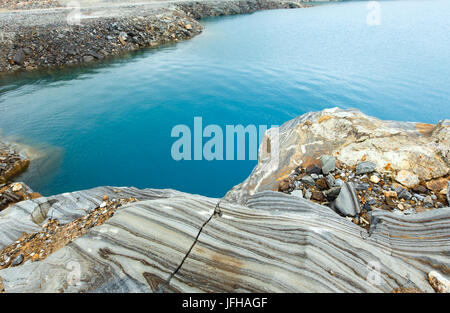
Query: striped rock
{"x": 274, "y": 243}
{"x": 28, "y": 216}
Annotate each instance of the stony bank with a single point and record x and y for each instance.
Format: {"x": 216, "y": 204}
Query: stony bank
{"x": 51, "y": 36}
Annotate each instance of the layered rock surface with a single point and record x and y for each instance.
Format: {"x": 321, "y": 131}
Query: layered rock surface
{"x": 255, "y": 239}
{"x": 177, "y": 242}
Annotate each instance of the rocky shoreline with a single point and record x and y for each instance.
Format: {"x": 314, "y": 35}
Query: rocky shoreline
{"x": 12, "y": 161}
{"x": 38, "y": 39}
{"x": 346, "y": 197}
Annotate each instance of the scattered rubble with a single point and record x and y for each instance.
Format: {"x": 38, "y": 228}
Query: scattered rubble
{"x": 15, "y": 192}
{"x": 354, "y": 191}
{"x": 38, "y": 246}
{"x": 12, "y": 163}
{"x": 46, "y": 46}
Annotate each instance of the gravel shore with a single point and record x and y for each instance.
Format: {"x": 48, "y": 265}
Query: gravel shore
{"x": 45, "y": 35}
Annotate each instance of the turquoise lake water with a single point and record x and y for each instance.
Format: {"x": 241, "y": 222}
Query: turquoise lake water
{"x": 110, "y": 124}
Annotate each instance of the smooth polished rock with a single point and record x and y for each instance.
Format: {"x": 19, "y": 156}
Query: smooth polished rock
{"x": 347, "y": 202}
{"x": 274, "y": 243}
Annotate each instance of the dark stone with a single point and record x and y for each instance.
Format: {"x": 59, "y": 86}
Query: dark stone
{"x": 318, "y": 196}
{"x": 332, "y": 193}
{"x": 448, "y": 193}
{"x": 313, "y": 169}
{"x": 17, "y": 261}
{"x": 330, "y": 180}
{"x": 19, "y": 57}
{"x": 284, "y": 185}
{"x": 404, "y": 194}
{"x": 27, "y": 51}
{"x": 88, "y": 58}
{"x": 308, "y": 180}
{"x": 322, "y": 183}
{"x": 362, "y": 187}
{"x": 420, "y": 189}
{"x": 94, "y": 54}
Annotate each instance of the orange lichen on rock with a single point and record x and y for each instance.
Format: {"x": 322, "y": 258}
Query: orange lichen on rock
{"x": 323, "y": 118}
{"x": 425, "y": 129}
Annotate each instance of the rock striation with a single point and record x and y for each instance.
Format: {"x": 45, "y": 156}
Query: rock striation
{"x": 177, "y": 242}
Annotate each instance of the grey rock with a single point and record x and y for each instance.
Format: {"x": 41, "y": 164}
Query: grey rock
{"x": 314, "y": 176}
{"x": 19, "y": 57}
{"x": 428, "y": 201}
{"x": 347, "y": 202}
{"x": 365, "y": 167}
{"x": 362, "y": 186}
{"x": 94, "y": 54}
{"x": 88, "y": 58}
{"x": 398, "y": 190}
{"x": 27, "y": 51}
{"x": 339, "y": 182}
{"x": 17, "y": 261}
{"x": 404, "y": 194}
{"x": 448, "y": 193}
{"x": 308, "y": 180}
{"x": 333, "y": 192}
{"x": 328, "y": 163}
{"x": 330, "y": 180}
{"x": 313, "y": 169}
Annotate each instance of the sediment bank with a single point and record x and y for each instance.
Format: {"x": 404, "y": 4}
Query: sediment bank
{"x": 48, "y": 38}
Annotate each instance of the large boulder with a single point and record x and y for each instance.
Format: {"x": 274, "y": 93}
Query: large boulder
{"x": 351, "y": 137}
